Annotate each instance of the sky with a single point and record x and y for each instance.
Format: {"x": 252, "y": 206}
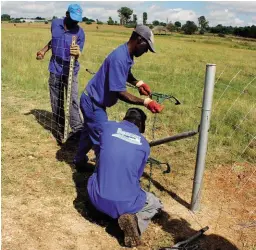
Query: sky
{"x": 234, "y": 13}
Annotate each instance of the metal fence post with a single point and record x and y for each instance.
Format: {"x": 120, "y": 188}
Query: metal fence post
{"x": 203, "y": 136}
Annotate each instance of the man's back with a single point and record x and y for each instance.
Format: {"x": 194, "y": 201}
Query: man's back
{"x": 115, "y": 189}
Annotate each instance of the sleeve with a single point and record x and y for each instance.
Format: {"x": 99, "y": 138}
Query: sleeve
{"x": 117, "y": 76}
{"x": 81, "y": 40}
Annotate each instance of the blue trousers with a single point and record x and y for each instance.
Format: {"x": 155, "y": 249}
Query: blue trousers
{"x": 94, "y": 117}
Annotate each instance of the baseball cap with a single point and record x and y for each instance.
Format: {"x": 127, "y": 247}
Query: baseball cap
{"x": 136, "y": 114}
{"x": 75, "y": 12}
{"x": 145, "y": 32}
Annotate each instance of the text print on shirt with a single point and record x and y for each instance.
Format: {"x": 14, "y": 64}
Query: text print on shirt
{"x": 126, "y": 136}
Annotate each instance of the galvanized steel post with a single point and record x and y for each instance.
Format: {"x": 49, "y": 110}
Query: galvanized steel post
{"x": 203, "y": 135}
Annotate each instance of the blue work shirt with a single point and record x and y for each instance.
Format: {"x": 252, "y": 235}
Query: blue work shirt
{"x": 111, "y": 77}
{"x": 61, "y": 42}
{"x": 114, "y": 188}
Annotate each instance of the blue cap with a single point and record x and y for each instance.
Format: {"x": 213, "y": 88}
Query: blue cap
{"x": 75, "y": 12}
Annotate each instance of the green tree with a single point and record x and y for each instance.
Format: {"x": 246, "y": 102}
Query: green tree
{"x": 177, "y": 25}
{"x": 155, "y": 22}
{"x": 5, "y": 17}
{"x": 162, "y": 24}
{"x": 110, "y": 21}
{"x": 98, "y": 21}
{"x": 125, "y": 15}
{"x": 203, "y": 24}
{"x": 54, "y": 17}
{"x": 135, "y": 18}
{"x": 145, "y": 18}
{"x": 189, "y": 28}
{"x": 170, "y": 27}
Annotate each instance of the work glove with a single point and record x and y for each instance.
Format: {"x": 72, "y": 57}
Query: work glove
{"x": 153, "y": 106}
{"x": 144, "y": 89}
{"x": 75, "y": 50}
{"x": 40, "y": 55}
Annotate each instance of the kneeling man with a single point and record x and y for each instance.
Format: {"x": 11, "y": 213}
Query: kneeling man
{"x": 114, "y": 188}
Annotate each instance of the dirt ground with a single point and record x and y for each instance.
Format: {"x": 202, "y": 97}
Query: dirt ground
{"x": 44, "y": 203}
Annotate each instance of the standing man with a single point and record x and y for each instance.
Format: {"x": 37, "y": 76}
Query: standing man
{"x": 61, "y": 45}
{"x": 114, "y": 188}
{"x": 109, "y": 85}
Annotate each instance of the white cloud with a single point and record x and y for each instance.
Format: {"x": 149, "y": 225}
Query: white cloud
{"x": 225, "y": 18}
{"x": 178, "y": 14}
{"x": 238, "y": 7}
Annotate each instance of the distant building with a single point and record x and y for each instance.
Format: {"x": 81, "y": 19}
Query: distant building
{"x": 31, "y": 20}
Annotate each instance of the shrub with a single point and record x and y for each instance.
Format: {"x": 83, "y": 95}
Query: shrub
{"x": 221, "y": 35}
{"x": 88, "y": 22}
{"x": 130, "y": 25}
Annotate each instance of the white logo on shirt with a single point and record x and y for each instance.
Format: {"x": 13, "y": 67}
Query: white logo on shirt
{"x": 126, "y": 136}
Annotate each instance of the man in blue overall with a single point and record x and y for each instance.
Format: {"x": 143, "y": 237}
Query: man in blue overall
{"x": 61, "y": 45}
{"x": 114, "y": 188}
{"x": 109, "y": 85}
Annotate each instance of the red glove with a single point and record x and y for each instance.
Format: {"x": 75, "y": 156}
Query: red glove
{"x": 153, "y": 106}
{"x": 144, "y": 89}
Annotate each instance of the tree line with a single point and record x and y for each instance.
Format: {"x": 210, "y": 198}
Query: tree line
{"x": 129, "y": 20}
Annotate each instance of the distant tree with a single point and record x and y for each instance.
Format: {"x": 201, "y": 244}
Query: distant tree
{"x": 39, "y": 18}
{"x": 54, "y": 17}
{"x": 145, "y": 18}
{"x": 177, "y": 25}
{"x": 134, "y": 19}
{"x": 85, "y": 19}
{"x": 88, "y": 22}
{"x": 189, "y": 28}
{"x": 98, "y": 21}
{"x": 5, "y": 17}
{"x": 110, "y": 21}
{"x": 125, "y": 14}
{"x": 162, "y": 24}
{"x": 155, "y": 22}
{"x": 170, "y": 27}
{"x": 203, "y": 24}
{"x": 116, "y": 23}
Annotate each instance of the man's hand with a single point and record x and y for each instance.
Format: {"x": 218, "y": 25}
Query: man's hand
{"x": 144, "y": 89}
{"x": 75, "y": 50}
{"x": 153, "y": 106}
{"x": 40, "y": 55}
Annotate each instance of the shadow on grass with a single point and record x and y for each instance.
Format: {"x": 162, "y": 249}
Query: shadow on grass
{"x": 45, "y": 119}
{"x": 180, "y": 230}
{"x": 86, "y": 209}
{"x": 172, "y": 194}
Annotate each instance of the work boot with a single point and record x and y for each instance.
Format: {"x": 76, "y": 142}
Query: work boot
{"x": 129, "y": 225}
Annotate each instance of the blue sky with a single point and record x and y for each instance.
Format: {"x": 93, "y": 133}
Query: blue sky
{"x": 238, "y": 13}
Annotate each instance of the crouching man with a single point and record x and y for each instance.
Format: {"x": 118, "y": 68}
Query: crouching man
{"x": 114, "y": 188}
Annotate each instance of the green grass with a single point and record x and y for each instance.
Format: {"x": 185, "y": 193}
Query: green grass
{"x": 177, "y": 68}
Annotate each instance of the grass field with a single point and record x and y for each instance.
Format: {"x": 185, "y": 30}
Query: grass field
{"x": 38, "y": 186}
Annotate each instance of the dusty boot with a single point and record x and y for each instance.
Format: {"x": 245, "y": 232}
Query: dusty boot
{"x": 128, "y": 223}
